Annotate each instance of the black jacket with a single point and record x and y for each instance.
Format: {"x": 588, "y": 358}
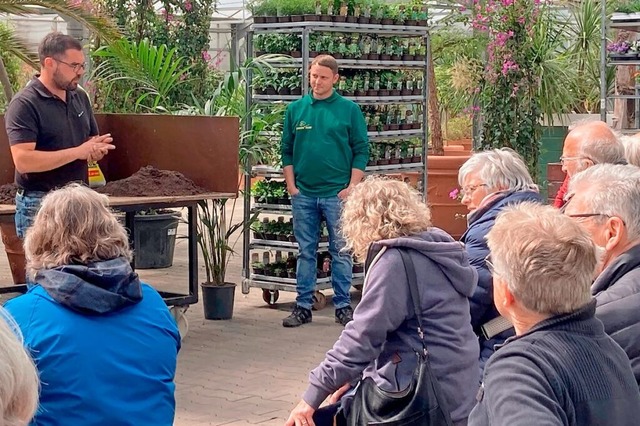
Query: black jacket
{"x": 564, "y": 371}
{"x": 617, "y": 292}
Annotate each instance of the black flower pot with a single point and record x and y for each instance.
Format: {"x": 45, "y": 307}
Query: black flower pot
{"x": 217, "y": 300}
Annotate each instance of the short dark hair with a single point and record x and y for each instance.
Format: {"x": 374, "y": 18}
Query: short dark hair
{"x": 54, "y": 44}
{"x": 326, "y": 61}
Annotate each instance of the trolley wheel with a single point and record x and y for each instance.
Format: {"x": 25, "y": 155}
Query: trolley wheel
{"x": 270, "y": 296}
{"x": 178, "y": 313}
{"x": 358, "y": 287}
{"x": 319, "y": 301}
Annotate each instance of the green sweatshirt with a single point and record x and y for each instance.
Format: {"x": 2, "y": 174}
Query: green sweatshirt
{"x": 323, "y": 140}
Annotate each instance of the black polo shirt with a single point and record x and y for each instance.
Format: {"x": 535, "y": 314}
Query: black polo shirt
{"x": 37, "y": 115}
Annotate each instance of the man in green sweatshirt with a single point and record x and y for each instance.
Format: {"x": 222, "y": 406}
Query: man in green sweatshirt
{"x": 324, "y": 150}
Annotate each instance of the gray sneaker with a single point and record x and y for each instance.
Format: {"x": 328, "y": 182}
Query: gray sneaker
{"x": 298, "y": 317}
{"x": 344, "y": 315}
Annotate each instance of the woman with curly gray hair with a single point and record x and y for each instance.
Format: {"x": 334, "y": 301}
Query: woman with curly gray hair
{"x": 104, "y": 343}
{"x": 381, "y": 219}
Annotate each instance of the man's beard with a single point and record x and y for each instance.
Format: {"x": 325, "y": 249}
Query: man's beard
{"x": 63, "y": 84}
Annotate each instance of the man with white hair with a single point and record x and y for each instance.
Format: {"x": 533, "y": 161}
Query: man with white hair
{"x": 588, "y": 144}
{"x": 605, "y": 200}
{"x": 561, "y": 368}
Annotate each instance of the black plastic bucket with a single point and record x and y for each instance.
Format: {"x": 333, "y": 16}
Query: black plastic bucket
{"x": 155, "y": 240}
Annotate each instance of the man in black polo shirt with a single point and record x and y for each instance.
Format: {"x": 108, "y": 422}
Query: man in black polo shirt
{"x": 51, "y": 128}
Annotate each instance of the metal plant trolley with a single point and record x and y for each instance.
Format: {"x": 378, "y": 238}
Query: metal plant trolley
{"x": 271, "y": 285}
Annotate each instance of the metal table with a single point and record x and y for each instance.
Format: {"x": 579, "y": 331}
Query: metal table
{"x": 130, "y": 205}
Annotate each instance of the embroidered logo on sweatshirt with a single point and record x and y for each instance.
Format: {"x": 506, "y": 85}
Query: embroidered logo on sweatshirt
{"x": 303, "y": 126}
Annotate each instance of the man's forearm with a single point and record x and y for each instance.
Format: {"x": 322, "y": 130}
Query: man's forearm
{"x": 289, "y": 178}
{"x": 356, "y": 177}
{"x": 33, "y": 161}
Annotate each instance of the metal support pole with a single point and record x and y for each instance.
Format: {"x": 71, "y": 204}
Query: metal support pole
{"x": 305, "y": 62}
{"x": 425, "y": 117}
{"x": 247, "y": 167}
{"x": 603, "y": 62}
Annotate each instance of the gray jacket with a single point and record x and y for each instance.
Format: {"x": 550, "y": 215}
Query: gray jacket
{"x": 563, "y": 371}
{"x": 381, "y": 341}
{"x": 617, "y": 293}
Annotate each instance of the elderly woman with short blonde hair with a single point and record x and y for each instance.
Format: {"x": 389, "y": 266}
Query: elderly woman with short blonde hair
{"x": 561, "y": 367}
{"x": 381, "y": 219}
{"x": 490, "y": 181}
{"x": 104, "y": 343}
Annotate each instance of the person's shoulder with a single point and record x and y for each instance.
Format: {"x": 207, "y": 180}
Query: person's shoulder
{"x": 20, "y": 307}
{"x": 27, "y": 97}
{"x": 150, "y": 294}
{"x": 303, "y": 101}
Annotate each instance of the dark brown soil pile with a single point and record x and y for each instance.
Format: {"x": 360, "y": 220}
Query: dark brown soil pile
{"x": 152, "y": 182}
{"x": 8, "y": 193}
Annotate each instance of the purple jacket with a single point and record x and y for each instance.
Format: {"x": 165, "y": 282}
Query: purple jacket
{"x": 382, "y": 339}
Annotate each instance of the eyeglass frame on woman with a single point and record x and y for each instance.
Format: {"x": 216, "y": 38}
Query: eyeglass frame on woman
{"x": 75, "y": 67}
{"x": 471, "y": 189}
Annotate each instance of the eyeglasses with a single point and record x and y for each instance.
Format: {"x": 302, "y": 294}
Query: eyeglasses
{"x": 587, "y": 215}
{"x": 489, "y": 263}
{"x": 75, "y": 66}
{"x": 564, "y": 159}
{"x": 471, "y": 189}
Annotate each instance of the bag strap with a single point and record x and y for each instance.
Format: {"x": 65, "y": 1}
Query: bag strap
{"x": 415, "y": 293}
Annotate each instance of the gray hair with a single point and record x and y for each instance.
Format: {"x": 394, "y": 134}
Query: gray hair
{"x": 499, "y": 169}
{"x": 74, "y": 226}
{"x": 631, "y": 149}
{"x": 19, "y": 384}
{"x": 546, "y": 259}
{"x": 613, "y": 190}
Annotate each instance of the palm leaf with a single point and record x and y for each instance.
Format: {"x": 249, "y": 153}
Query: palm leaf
{"x": 99, "y": 24}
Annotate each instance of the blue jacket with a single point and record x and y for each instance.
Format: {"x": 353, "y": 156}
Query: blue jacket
{"x": 564, "y": 371}
{"x": 475, "y": 240}
{"x": 105, "y": 346}
{"x": 382, "y": 339}
{"x": 617, "y": 293}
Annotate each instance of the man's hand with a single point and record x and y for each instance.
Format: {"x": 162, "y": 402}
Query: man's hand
{"x": 345, "y": 193}
{"x": 302, "y": 415}
{"x": 95, "y": 148}
{"x": 293, "y": 190}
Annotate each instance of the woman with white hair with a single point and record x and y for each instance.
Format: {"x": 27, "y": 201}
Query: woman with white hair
{"x": 381, "y": 220}
{"x": 18, "y": 376}
{"x": 104, "y": 343}
{"x": 561, "y": 368}
{"x": 490, "y": 181}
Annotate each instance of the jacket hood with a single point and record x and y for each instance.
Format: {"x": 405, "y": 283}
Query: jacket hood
{"x": 96, "y": 288}
{"x": 442, "y": 250}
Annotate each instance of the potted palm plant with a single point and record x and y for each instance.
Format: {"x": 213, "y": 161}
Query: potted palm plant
{"x": 213, "y": 239}
{"x": 216, "y": 226}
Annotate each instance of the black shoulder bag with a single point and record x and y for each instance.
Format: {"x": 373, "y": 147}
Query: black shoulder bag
{"x": 420, "y": 404}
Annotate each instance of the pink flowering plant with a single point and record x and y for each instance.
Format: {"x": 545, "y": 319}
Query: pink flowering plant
{"x": 456, "y": 194}
{"x": 508, "y": 100}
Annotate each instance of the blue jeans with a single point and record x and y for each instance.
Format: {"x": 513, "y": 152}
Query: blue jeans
{"x": 27, "y": 205}
{"x": 307, "y": 215}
